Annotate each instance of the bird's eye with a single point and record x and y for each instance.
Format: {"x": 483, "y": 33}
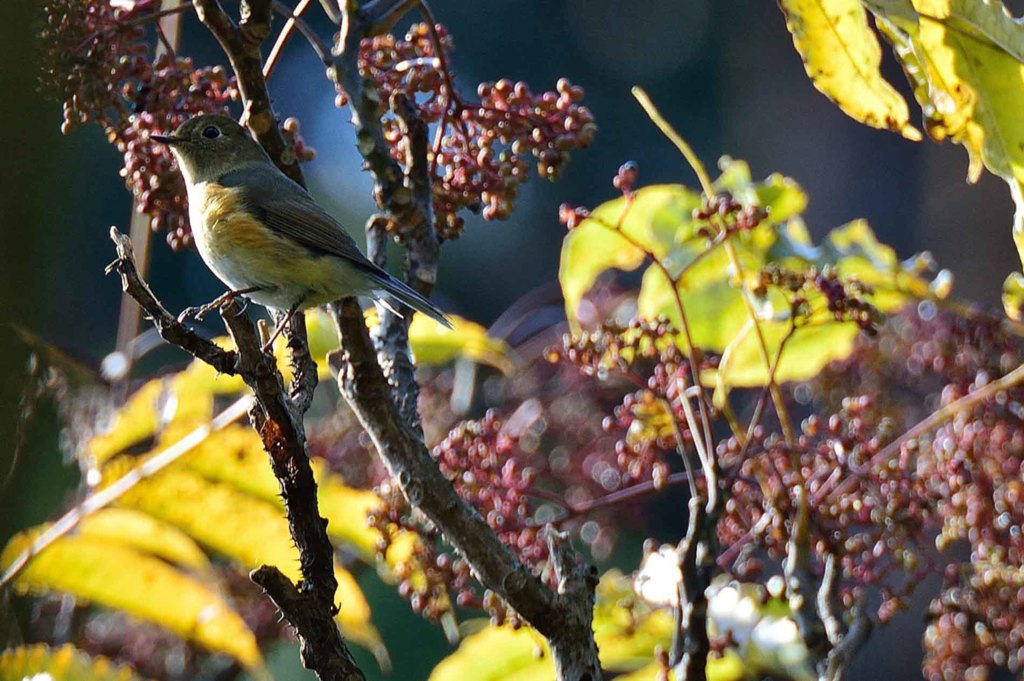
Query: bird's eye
{"x": 211, "y": 132}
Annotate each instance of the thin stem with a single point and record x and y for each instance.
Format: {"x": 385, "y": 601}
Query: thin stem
{"x": 936, "y": 418}
{"x": 776, "y": 393}
{"x": 691, "y": 478}
{"x": 294, "y": 21}
{"x": 676, "y": 139}
{"x": 168, "y": 29}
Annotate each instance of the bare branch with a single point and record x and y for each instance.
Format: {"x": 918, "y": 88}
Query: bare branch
{"x": 801, "y": 584}
{"x": 320, "y": 647}
{"x": 172, "y": 331}
{"x": 564, "y": 618}
{"x": 310, "y": 606}
{"x": 242, "y": 47}
{"x": 304, "y": 373}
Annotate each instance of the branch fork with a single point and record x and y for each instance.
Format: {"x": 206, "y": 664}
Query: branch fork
{"x": 277, "y": 416}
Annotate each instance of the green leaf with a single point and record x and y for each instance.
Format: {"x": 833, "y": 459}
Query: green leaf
{"x": 964, "y": 61}
{"x": 65, "y": 663}
{"x": 1013, "y": 296}
{"x": 855, "y": 252}
{"x": 619, "y": 234}
{"x": 714, "y": 307}
{"x": 781, "y": 196}
{"x": 807, "y": 351}
{"x": 842, "y": 58}
{"x": 120, "y": 577}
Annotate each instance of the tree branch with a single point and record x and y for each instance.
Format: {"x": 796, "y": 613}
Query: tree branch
{"x": 309, "y": 607}
{"x": 391, "y": 337}
{"x": 564, "y": 618}
{"x": 241, "y": 44}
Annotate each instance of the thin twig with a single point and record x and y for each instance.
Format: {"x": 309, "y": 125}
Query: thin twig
{"x": 168, "y": 28}
{"x": 935, "y": 419}
{"x": 294, "y": 21}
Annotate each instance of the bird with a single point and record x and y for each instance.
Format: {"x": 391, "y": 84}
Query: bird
{"x": 263, "y": 235}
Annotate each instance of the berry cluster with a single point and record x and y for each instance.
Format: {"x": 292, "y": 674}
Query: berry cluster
{"x": 479, "y": 458}
{"x": 733, "y": 215}
{"x": 650, "y": 419}
{"x": 874, "y": 515}
{"x": 99, "y": 64}
{"x": 844, "y": 298}
{"x": 967, "y": 473}
{"x": 977, "y": 624}
{"x": 481, "y": 150}
{"x": 426, "y": 577}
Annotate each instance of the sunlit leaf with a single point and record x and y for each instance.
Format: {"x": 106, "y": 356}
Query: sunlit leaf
{"x": 65, "y": 663}
{"x": 498, "y": 654}
{"x": 781, "y": 196}
{"x": 619, "y": 234}
{"x": 120, "y": 577}
{"x": 144, "y": 533}
{"x": 715, "y": 311}
{"x": 1013, "y": 296}
{"x": 431, "y": 343}
{"x": 842, "y": 58}
{"x": 855, "y": 252}
{"x": 626, "y": 638}
{"x": 235, "y": 456}
{"x": 728, "y": 667}
{"x": 185, "y": 397}
{"x": 964, "y": 60}
{"x": 247, "y": 529}
{"x": 807, "y": 351}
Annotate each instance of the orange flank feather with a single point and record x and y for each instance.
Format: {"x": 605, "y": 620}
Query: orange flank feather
{"x": 245, "y": 253}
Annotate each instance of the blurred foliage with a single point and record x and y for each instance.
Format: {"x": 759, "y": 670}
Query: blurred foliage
{"x": 59, "y": 664}
{"x": 687, "y": 268}
{"x": 144, "y": 557}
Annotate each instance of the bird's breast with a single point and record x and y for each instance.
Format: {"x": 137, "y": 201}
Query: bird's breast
{"x": 243, "y": 253}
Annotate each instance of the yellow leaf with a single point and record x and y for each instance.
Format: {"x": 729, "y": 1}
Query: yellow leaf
{"x": 247, "y": 529}
{"x": 728, "y": 667}
{"x": 235, "y": 456}
{"x": 1013, "y": 296}
{"x": 964, "y": 59}
{"x": 626, "y": 638}
{"x": 842, "y": 57}
{"x": 65, "y": 663}
{"x": 498, "y": 654}
{"x": 145, "y": 533}
{"x": 431, "y": 343}
{"x": 619, "y": 235}
{"x": 120, "y": 577}
{"x": 183, "y": 398}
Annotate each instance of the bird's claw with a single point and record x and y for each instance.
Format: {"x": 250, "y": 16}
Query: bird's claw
{"x": 201, "y": 311}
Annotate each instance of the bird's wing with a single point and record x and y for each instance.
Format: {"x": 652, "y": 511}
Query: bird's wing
{"x": 287, "y": 208}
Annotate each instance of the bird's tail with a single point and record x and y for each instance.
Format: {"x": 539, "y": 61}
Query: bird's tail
{"x": 411, "y": 299}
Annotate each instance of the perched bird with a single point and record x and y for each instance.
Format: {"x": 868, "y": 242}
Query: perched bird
{"x": 263, "y": 235}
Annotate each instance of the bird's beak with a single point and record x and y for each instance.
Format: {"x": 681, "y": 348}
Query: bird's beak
{"x": 166, "y": 139}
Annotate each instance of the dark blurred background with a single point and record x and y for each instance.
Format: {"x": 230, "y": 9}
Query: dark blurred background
{"x": 724, "y": 73}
